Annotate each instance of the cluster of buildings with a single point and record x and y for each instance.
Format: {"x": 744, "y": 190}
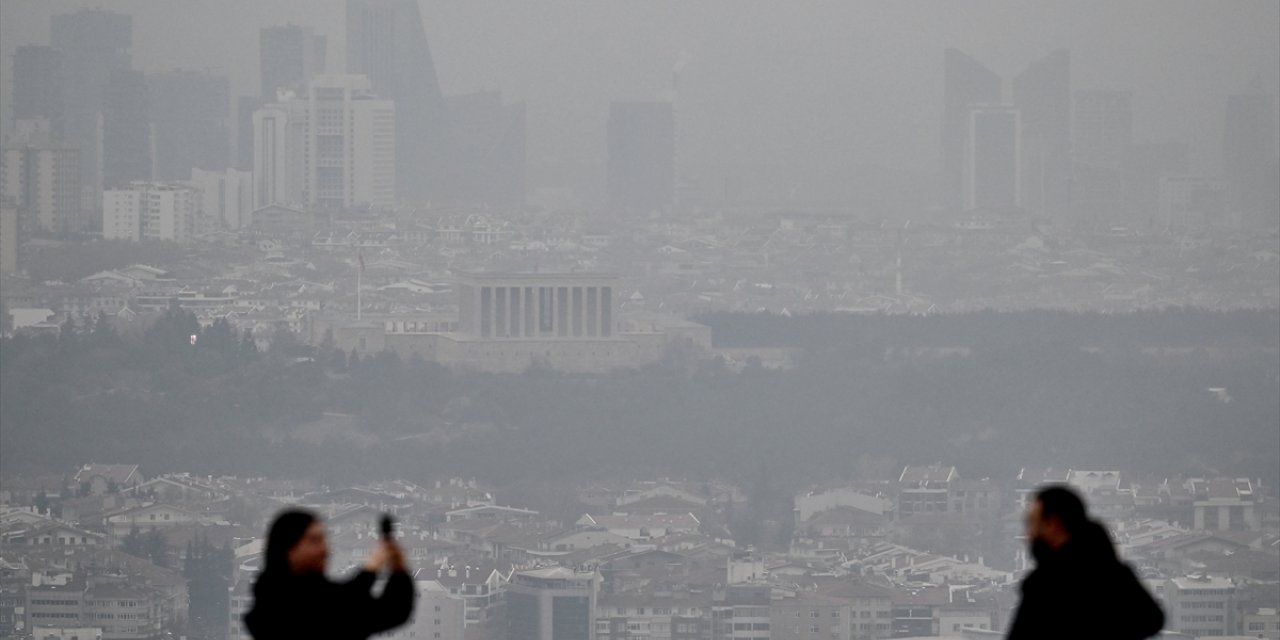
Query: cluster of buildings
{"x": 924, "y": 554}
{"x": 1039, "y": 146}
{"x": 391, "y": 282}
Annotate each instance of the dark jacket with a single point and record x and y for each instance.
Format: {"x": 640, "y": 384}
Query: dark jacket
{"x": 1082, "y": 590}
{"x": 289, "y": 606}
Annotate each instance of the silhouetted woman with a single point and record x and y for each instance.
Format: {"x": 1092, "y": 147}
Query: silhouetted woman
{"x": 292, "y": 598}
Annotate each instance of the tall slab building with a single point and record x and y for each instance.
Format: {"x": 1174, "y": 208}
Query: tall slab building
{"x": 1042, "y": 93}
{"x": 1249, "y": 160}
{"x": 386, "y": 42}
{"x": 966, "y": 82}
{"x": 95, "y": 45}
{"x": 641, "y": 168}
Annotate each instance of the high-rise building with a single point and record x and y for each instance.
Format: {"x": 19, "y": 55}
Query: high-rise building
{"x": 333, "y": 148}
{"x": 43, "y": 183}
{"x": 38, "y": 86}
{"x": 8, "y": 239}
{"x": 1103, "y": 128}
{"x": 966, "y": 82}
{"x": 245, "y": 106}
{"x": 150, "y": 211}
{"x": 488, "y": 142}
{"x": 226, "y": 197}
{"x": 1103, "y": 133}
{"x": 126, "y": 129}
{"x": 386, "y": 42}
{"x": 1146, "y": 165}
{"x": 289, "y": 56}
{"x": 94, "y": 44}
{"x": 1192, "y": 203}
{"x": 279, "y": 140}
{"x": 189, "y": 112}
{"x": 1042, "y": 93}
{"x": 992, "y": 158}
{"x": 551, "y": 604}
{"x": 1248, "y": 149}
{"x": 641, "y": 155}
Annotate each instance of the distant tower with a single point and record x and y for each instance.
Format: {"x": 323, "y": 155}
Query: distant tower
{"x": 289, "y": 56}
{"x": 95, "y": 46}
{"x": 126, "y": 130}
{"x": 1103, "y": 143}
{"x": 38, "y": 86}
{"x": 993, "y": 150}
{"x": 386, "y": 42}
{"x": 1042, "y": 93}
{"x": 966, "y": 82}
{"x": 641, "y": 150}
{"x": 1249, "y": 160}
{"x": 190, "y": 111}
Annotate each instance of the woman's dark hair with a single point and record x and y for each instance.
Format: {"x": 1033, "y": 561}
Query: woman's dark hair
{"x": 285, "y": 532}
{"x": 1062, "y": 502}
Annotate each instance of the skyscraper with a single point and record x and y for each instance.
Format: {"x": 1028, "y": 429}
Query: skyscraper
{"x": 993, "y": 158}
{"x": 966, "y": 82}
{"x": 289, "y": 56}
{"x": 1103, "y": 127}
{"x": 641, "y": 150}
{"x": 1248, "y": 151}
{"x": 331, "y": 148}
{"x": 1042, "y": 93}
{"x": 126, "y": 129}
{"x": 487, "y": 165}
{"x": 386, "y": 42}
{"x": 38, "y": 86}
{"x": 1103, "y": 135}
{"x": 189, "y": 110}
{"x": 555, "y": 603}
{"x": 279, "y": 133}
{"x": 95, "y": 44}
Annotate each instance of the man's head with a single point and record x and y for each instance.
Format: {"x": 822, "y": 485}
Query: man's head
{"x": 1054, "y": 515}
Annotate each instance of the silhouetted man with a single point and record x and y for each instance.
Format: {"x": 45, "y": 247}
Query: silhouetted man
{"x": 1079, "y": 588}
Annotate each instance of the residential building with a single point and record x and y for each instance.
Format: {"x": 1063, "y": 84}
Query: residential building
{"x": 437, "y": 615}
{"x": 741, "y": 612}
{"x": 151, "y": 211}
{"x": 555, "y": 603}
{"x": 42, "y": 182}
{"x": 1200, "y": 606}
{"x": 226, "y": 197}
{"x": 641, "y": 615}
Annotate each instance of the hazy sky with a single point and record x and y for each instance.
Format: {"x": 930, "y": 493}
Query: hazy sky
{"x": 805, "y": 84}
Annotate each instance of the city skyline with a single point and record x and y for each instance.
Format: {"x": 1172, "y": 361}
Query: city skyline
{"x": 566, "y": 133}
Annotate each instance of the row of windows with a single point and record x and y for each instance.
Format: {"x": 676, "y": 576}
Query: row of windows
{"x": 1201, "y": 618}
{"x": 1204, "y": 605}
{"x": 55, "y": 602}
